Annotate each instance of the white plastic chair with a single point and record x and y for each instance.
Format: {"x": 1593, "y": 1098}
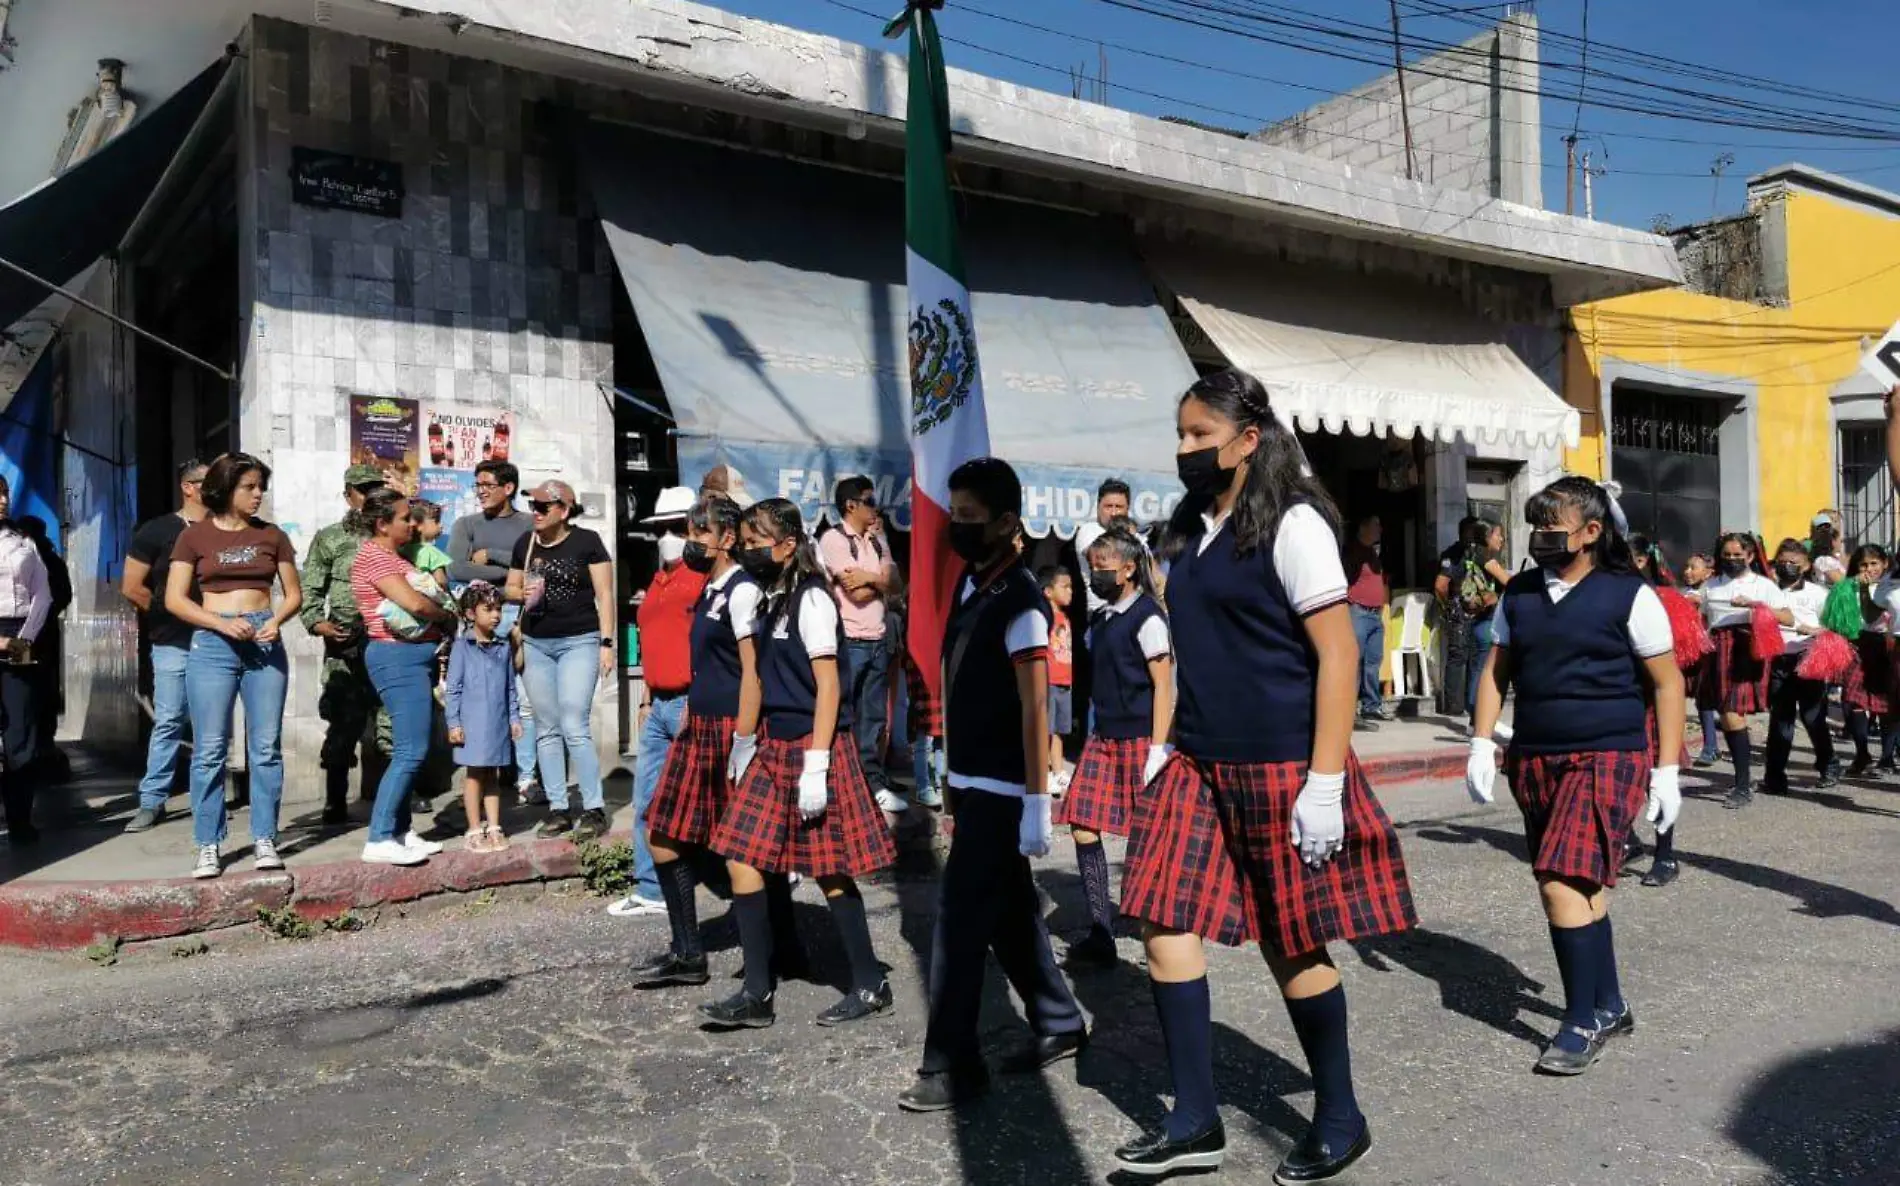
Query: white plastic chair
{"x": 1412, "y": 607}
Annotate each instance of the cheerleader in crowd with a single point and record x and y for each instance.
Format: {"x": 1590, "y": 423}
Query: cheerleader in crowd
{"x": 1791, "y": 697}
{"x": 802, "y": 804}
{"x": 1736, "y": 684}
{"x": 1588, "y": 645}
{"x": 1133, "y": 699}
{"x": 1261, "y": 827}
{"x": 1867, "y": 693}
{"x": 1647, "y": 560}
{"x": 1696, "y": 571}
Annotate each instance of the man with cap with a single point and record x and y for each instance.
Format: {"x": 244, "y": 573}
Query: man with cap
{"x": 329, "y": 612}
{"x": 479, "y": 548}
{"x": 666, "y": 630}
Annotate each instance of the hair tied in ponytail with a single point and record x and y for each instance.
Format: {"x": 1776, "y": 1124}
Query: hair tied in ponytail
{"x": 1613, "y": 492}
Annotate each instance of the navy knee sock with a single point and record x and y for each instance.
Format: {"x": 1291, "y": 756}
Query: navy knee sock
{"x": 1092, "y": 860}
{"x": 1577, "y": 965}
{"x": 1861, "y": 734}
{"x": 1320, "y": 1023}
{"x": 682, "y": 908}
{"x": 1666, "y": 845}
{"x": 1740, "y": 750}
{"x": 787, "y": 947}
{"x": 1187, "y": 1030}
{"x": 1609, "y": 995}
{"x": 755, "y": 941}
{"x": 847, "y": 914}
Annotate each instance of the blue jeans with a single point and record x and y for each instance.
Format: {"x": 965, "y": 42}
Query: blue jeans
{"x": 404, "y": 676}
{"x": 561, "y": 676}
{"x": 524, "y": 744}
{"x": 1368, "y": 625}
{"x": 870, "y": 704}
{"x": 665, "y": 721}
{"x": 169, "y": 717}
{"x": 217, "y": 672}
{"x": 1483, "y": 638}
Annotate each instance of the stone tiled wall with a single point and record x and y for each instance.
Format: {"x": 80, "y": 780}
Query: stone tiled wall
{"x": 493, "y": 290}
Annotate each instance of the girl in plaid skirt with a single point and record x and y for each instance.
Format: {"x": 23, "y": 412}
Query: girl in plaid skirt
{"x": 1261, "y": 826}
{"x": 1589, "y": 646}
{"x": 1133, "y": 698}
{"x": 1867, "y": 693}
{"x": 1736, "y": 685}
{"x": 803, "y": 805}
{"x": 718, "y": 740}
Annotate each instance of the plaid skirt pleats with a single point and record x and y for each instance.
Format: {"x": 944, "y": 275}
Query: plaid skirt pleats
{"x": 1578, "y": 808}
{"x": 1735, "y": 680}
{"x": 762, "y": 828}
{"x": 1210, "y": 853}
{"x": 1869, "y": 684}
{"x": 693, "y": 792}
{"x": 1101, "y": 795}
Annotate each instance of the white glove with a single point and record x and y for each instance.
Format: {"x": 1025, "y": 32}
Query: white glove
{"x": 1665, "y": 797}
{"x": 1481, "y": 771}
{"x": 745, "y": 747}
{"x": 1319, "y": 818}
{"x": 814, "y": 793}
{"x": 1032, "y": 838}
{"x": 1158, "y": 756}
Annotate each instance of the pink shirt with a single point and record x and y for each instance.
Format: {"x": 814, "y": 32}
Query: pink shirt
{"x": 843, "y": 551}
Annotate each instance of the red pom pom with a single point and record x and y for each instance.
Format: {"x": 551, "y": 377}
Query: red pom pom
{"x": 1691, "y": 633}
{"x": 1828, "y": 659}
{"x": 1764, "y": 635}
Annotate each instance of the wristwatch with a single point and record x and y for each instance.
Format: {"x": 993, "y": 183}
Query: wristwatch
{"x": 606, "y": 642}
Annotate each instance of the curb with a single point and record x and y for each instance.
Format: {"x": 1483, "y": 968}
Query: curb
{"x": 65, "y": 915}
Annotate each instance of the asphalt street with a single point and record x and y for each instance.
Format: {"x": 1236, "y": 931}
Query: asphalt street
{"x": 495, "y": 1040}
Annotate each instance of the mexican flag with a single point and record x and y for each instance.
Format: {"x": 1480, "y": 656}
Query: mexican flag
{"x": 947, "y": 423}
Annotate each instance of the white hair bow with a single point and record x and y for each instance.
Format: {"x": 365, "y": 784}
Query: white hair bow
{"x": 1613, "y": 490}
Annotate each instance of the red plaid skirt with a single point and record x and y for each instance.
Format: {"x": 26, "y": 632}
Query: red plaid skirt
{"x": 1735, "y": 681}
{"x": 1578, "y": 808}
{"x": 692, "y": 794}
{"x": 1869, "y": 683}
{"x": 761, "y": 827}
{"x": 1210, "y": 853}
{"x": 1101, "y": 796}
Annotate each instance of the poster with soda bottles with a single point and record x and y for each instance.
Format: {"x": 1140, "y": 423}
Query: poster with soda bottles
{"x": 454, "y": 442}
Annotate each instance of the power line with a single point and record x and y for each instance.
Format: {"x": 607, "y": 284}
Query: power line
{"x": 1583, "y": 73}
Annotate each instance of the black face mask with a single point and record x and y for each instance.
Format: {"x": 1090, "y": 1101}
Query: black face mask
{"x": 1202, "y": 473}
{"x": 697, "y": 556}
{"x": 759, "y": 564}
{"x": 1551, "y": 549}
{"x": 1734, "y": 568}
{"x": 1106, "y": 585}
{"x": 971, "y": 542}
{"x": 1789, "y": 573}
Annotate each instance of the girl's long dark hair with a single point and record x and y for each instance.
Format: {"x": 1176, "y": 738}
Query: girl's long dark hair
{"x": 1277, "y": 478}
{"x": 779, "y": 520}
{"x": 1658, "y": 573}
{"x": 1126, "y": 548}
{"x": 1544, "y": 510}
{"x": 379, "y": 507}
{"x": 718, "y": 514}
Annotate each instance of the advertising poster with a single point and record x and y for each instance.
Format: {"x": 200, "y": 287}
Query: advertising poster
{"x": 383, "y": 434}
{"x": 458, "y": 438}
{"x": 451, "y": 489}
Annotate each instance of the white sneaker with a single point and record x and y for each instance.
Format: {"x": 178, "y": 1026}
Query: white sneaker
{"x": 265, "y": 851}
{"x": 635, "y": 906}
{"x": 415, "y": 843}
{"x": 391, "y": 852}
{"x": 209, "y": 864}
{"x": 891, "y": 801}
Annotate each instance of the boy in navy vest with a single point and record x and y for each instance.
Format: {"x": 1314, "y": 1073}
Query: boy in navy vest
{"x": 996, "y": 676}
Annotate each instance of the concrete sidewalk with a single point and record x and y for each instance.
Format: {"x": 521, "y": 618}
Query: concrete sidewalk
{"x": 87, "y": 879}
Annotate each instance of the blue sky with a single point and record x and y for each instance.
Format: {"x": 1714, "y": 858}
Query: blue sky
{"x": 1823, "y": 44}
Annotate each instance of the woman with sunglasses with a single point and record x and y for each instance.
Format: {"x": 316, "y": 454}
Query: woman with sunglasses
{"x": 565, "y": 578}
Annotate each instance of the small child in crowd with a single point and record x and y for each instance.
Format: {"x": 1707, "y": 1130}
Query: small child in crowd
{"x": 1059, "y": 587}
{"x": 483, "y": 715}
{"x": 422, "y": 551}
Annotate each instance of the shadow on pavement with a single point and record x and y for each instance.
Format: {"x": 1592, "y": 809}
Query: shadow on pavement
{"x": 1827, "y": 1116}
{"x": 1472, "y": 981}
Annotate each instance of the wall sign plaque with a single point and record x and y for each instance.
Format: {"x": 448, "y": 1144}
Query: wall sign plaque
{"x": 338, "y": 182}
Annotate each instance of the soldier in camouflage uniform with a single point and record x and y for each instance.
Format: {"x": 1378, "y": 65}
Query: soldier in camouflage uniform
{"x": 329, "y": 612}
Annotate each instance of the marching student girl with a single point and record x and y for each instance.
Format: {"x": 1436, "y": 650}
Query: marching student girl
{"x": 1587, "y": 643}
{"x": 1867, "y": 693}
{"x": 1261, "y": 826}
{"x": 802, "y": 805}
{"x": 1791, "y": 697}
{"x": 1647, "y": 560}
{"x": 1133, "y": 698}
{"x": 1736, "y": 684}
{"x": 1696, "y": 572}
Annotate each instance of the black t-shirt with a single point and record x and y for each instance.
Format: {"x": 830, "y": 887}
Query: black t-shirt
{"x": 152, "y": 545}
{"x": 567, "y": 607}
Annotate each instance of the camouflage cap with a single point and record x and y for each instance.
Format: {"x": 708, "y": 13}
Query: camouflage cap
{"x": 363, "y": 475}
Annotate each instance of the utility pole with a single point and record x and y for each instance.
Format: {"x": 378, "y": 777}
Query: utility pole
{"x": 1570, "y": 173}
{"x": 1589, "y": 203}
{"x": 1405, "y": 111}
{"x": 1718, "y": 166}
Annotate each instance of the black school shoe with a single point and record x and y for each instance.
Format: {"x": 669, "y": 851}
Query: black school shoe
{"x": 1740, "y": 797}
{"x": 1154, "y": 1153}
{"x": 939, "y": 1091}
{"x": 670, "y": 969}
{"x": 1315, "y": 1161}
{"x": 1557, "y": 1061}
{"x": 857, "y": 1005}
{"x": 740, "y": 1011}
{"x": 1661, "y": 873}
{"x": 1045, "y": 1050}
{"x": 1618, "y": 1025}
{"x": 1831, "y": 776}
{"x": 1633, "y": 850}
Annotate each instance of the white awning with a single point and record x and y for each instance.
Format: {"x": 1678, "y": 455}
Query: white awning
{"x": 1340, "y": 351}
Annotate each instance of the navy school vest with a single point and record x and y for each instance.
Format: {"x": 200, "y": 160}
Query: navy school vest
{"x": 1580, "y": 685}
{"x": 1124, "y": 693}
{"x": 983, "y": 714}
{"x": 790, "y": 690}
{"x": 715, "y": 688}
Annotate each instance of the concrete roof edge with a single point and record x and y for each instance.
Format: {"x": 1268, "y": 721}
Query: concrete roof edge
{"x": 1808, "y": 177}
{"x": 750, "y": 60}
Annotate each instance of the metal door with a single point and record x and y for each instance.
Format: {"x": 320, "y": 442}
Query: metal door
{"x": 1664, "y": 452}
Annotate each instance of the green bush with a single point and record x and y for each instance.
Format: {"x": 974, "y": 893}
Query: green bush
{"x": 607, "y": 869}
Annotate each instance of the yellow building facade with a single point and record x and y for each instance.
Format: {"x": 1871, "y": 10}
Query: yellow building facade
{"x": 1736, "y": 402}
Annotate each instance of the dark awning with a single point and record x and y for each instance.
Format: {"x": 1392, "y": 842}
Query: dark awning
{"x": 58, "y": 228}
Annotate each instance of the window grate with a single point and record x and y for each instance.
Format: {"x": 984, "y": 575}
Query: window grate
{"x": 1865, "y": 486}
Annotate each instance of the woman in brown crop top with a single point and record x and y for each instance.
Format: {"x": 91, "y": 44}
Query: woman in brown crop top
{"x": 235, "y": 650}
